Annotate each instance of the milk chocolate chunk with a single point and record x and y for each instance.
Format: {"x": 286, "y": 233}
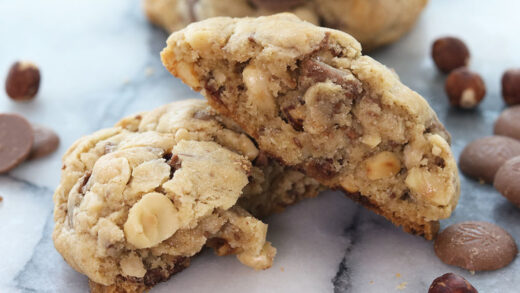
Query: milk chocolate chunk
{"x": 476, "y": 246}
{"x": 16, "y": 140}
{"x": 507, "y": 180}
{"x": 508, "y": 123}
{"x": 46, "y": 141}
{"x": 481, "y": 158}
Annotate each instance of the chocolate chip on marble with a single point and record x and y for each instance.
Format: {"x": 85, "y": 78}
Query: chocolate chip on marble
{"x": 16, "y": 140}
{"x": 508, "y": 123}
{"x": 507, "y": 180}
{"x": 482, "y": 158}
{"x": 475, "y": 246}
{"x": 277, "y": 4}
{"x": 451, "y": 283}
{"x": 46, "y": 141}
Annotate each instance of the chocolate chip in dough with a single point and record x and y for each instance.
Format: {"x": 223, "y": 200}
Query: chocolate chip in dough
{"x": 507, "y": 180}
{"x": 481, "y": 158}
{"x": 277, "y": 4}
{"x": 16, "y": 140}
{"x": 46, "y": 141}
{"x": 475, "y": 246}
{"x": 508, "y": 123}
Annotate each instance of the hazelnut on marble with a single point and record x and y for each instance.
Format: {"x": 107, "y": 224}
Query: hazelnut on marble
{"x": 465, "y": 88}
{"x": 511, "y": 86}
{"x": 451, "y": 283}
{"x": 450, "y": 53}
{"x": 382, "y": 165}
{"x": 23, "y": 81}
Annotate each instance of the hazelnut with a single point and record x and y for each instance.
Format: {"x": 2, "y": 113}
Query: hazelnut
{"x": 450, "y": 53}
{"x": 23, "y": 81}
{"x": 511, "y": 86}
{"x": 465, "y": 88}
{"x": 451, "y": 283}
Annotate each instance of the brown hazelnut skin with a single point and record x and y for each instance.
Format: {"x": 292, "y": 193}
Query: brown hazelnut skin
{"x": 511, "y": 86}
{"x": 451, "y": 283}
{"x": 450, "y": 53}
{"x": 465, "y": 89}
{"x": 23, "y": 81}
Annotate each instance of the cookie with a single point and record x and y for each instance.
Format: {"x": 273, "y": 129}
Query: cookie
{"x": 481, "y": 158}
{"x": 310, "y": 99}
{"x": 508, "y": 123}
{"x": 16, "y": 140}
{"x": 506, "y": 180}
{"x": 476, "y": 246}
{"x": 137, "y": 201}
{"x": 374, "y": 22}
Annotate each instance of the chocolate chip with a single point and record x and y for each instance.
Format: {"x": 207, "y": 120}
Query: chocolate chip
{"x": 481, "y": 158}
{"x": 16, "y": 140}
{"x": 320, "y": 72}
{"x": 277, "y": 4}
{"x": 507, "y": 180}
{"x": 322, "y": 169}
{"x": 508, "y": 123}
{"x": 46, "y": 141}
{"x": 476, "y": 246}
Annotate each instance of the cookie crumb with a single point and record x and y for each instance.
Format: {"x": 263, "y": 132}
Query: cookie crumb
{"x": 282, "y": 269}
{"x": 402, "y": 286}
{"x": 1, "y": 199}
{"x": 371, "y": 282}
{"x": 472, "y": 273}
{"x": 149, "y": 71}
{"x": 398, "y": 275}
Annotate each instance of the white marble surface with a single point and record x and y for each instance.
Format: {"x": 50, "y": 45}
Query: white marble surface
{"x": 99, "y": 62}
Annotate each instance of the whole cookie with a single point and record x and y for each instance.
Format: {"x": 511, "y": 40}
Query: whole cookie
{"x": 374, "y": 23}
{"x": 46, "y": 141}
{"x": 507, "y": 180}
{"x": 508, "y": 123}
{"x": 475, "y": 246}
{"x": 481, "y": 158}
{"x": 16, "y": 140}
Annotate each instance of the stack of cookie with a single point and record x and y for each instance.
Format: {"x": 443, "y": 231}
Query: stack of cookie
{"x": 293, "y": 108}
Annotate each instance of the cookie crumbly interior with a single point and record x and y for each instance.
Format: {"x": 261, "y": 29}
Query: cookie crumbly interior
{"x": 312, "y": 101}
{"x": 137, "y": 201}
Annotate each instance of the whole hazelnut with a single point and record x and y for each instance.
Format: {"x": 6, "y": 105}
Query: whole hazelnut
{"x": 451, "y": 283}
{"x": 449, "y": 53}
{"x": 23, "y": 81}
{"x": 511, "y": 86}
{"x": 464, "y": 88}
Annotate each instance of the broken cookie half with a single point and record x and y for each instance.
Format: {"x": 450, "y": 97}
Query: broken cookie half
{"x": 310, "y": 99}
{"x": 138, "y": 200}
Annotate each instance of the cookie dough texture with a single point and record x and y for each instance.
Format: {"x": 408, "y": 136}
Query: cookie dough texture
{"x": 310, "y": 99}
{"x": 138, "y": 200}
{"x": 372, "y": 22}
